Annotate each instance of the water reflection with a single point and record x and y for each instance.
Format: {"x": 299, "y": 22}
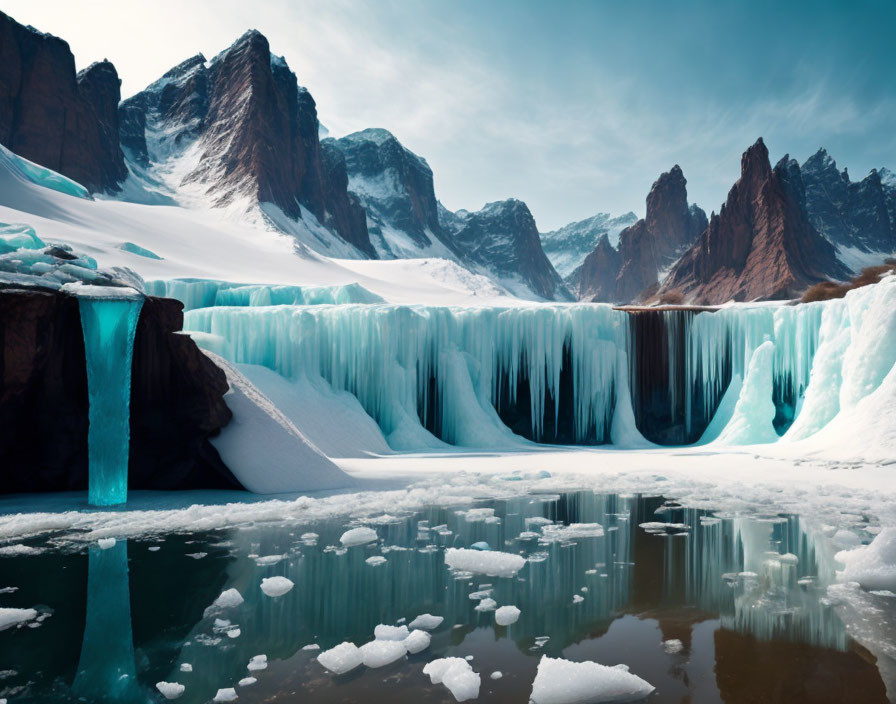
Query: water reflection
{"x": 744, "y": 595}
{"x": 106, "y": 670}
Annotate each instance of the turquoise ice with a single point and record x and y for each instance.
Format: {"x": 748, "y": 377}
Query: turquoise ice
{"x": 109, "y": 322}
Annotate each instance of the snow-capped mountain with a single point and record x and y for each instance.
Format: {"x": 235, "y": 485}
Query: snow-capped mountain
{"x": 405, "y": 220}
{"x": 239, "y": 132}
{"x": 395, "y": 186}
{"x": 568, "y": 246}
{"x": 858, "y": 216}
{"x": 502, "y": 238}
{"x": 646, "y": 250}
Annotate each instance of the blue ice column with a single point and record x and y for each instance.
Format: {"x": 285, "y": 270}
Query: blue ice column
{"x": 109, "y": 324}
{"x": 106, "y": 669}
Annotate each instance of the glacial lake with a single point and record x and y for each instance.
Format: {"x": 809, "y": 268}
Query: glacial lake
{"x": 705, "y": 607}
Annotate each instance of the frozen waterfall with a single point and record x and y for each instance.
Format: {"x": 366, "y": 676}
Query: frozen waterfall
{"x": 109, "y": 322}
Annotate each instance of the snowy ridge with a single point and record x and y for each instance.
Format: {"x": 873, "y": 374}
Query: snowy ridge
{"x": 568, "y": 246}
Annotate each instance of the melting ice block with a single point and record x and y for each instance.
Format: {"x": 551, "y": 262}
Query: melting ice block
{"x": 417, "y": 641}
{"x": 386, "y": 632}
{"x": 276, "y": 586}
{"x": 427, "y": 622}
{"x": 507, "y": 615}
{"x": 874, "y": 565}
{"x": 560, "y": 681}
{"x": 457, "y": 675}
{"x": 378, "y": 653}
{"x": 170, "y": 690}
{"x": 491, "y": 563}
{"x": 358, "y": 536}
{"x": 341, "y": 658}
{"x": 13, "y": 617}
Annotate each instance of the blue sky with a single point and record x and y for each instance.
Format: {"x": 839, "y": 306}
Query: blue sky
{"x": 573, "y": 107}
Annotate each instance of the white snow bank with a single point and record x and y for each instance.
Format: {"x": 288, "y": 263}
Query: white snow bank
{"x": 265, "y": 451}
{"x": 491, "y": 563}
{"x": 457, "y": 675}
{"x": 874, "y": 565}
{"x": 333, "y": 421}
{"x": 507, "y": 615}
{"x": 27, "y": 171}
{"x": 14, "y": 617}
{"x": 341, "y": 658}
{"x": 560, "y": 681}
{"x": 358, "y": 536}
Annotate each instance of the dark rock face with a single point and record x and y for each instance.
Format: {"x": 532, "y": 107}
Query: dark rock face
{"x": 53, "y": 117}
{"x": 395, "y": 187}
{"x": 851, "y": 214}
{"x": 257, "y": 131}
{"x": 646, "y": 248}
{"x": 599, "y": 270}
{"x": 503, "y": 238}
{"x": 176, "y": 399}
{"x": 761, "y": 245}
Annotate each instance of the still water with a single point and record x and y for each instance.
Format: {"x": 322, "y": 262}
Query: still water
{"x": 745, "y": 596}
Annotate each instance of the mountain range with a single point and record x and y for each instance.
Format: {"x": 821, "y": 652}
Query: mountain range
{"x": 239, "y": 134}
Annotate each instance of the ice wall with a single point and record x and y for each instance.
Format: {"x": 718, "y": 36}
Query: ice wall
{"x": 109, "y": 321}
{"x": 202, "y": 293}
{"x": 431, "y": 375}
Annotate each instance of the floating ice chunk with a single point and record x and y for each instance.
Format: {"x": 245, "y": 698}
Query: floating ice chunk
{"x": 170, "y": 690}
{"x": 496, "y": 675}
{"x": 311, "y": 646}
{"x": 378, "y": 653}
{"x": 19, "y": 550}
{"x": 234, "y": 633}
{"x": 507, "y": 615}
{"x": 341, "y": 658}
{"x": 276, "y": 586}
{"x": 309, "y": 537}
{"x": 427, "y": 622}
{"x": 481, "y": 594}
{"x": 486, "y": 605}
{"x": 15, "y": 617}
{"x": 266, "y": 560}
{"x": 358, "y": 536}
{"x": 492, "y": 563}
{"x": 228, "y": 694}
{"x": 572, "y": 532}
{"x": 457, "y": 675}
{"x": 228, "y": 599}
{"x": 481, "y": 545}
{"x": 153, "y": 548}
{"x": 874, "y": 565}
{"x": 375, "y": 560}
{"x": 577, "y": 599}
{"x": 106, "y": 543}
{"x": 386, "y": 632}
{"x": 560, "y": 681}
{"x": 257, "y": 662}
{"x": 657, "y": 527}
{"x": 186, "y": 667}
{"x": 672, "y": 646}
{"x": 197, "y": 555}
{"x": 246, "y": 681}
{"x": 417, "y": 641}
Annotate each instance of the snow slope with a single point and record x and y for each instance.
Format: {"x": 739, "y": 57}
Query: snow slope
{"x": 199, "y": 242}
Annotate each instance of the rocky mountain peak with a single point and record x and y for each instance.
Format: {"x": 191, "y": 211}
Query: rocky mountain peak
{"x": 55, "y": 117}
{"x": 761, "y": 245}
